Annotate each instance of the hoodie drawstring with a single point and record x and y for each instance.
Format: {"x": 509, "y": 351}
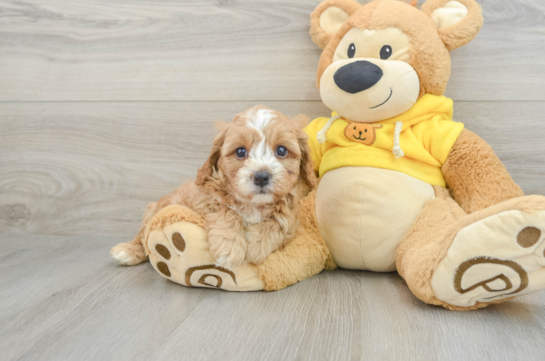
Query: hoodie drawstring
{"x": 322, "y": 134}
{"x": 398, "y": 152}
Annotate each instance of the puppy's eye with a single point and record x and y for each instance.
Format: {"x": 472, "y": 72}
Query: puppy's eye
{"x": 351, "y": 50}
{"x": 385, "y": 52}
{"x": 241, "y": 153}
{"x": 281, "y": 152}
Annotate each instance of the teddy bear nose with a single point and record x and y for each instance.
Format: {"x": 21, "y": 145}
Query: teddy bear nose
{"x": 357, "y": 76}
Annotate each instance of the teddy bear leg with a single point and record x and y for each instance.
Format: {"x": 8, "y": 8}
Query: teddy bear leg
{"x": 179, "y": 251}
{"x": 423, "y": 247}
{"x": 465, "y": 262}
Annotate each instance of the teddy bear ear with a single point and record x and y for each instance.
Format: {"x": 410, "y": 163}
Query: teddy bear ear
{"x": 328, "y": 17}
{"x": 457, "y": 21}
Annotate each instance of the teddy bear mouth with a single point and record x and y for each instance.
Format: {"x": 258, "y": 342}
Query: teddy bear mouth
{"x": 376, "y": 106}
{"x": 359, "y": 138}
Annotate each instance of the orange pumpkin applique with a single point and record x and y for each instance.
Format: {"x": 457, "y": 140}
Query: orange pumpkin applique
{"x": 362, "y": 132}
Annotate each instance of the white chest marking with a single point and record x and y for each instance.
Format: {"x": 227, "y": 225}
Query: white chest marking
{"x": 250, "y": 214}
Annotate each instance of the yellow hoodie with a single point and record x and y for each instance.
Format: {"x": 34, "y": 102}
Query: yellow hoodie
{"x": 426, "y": 137}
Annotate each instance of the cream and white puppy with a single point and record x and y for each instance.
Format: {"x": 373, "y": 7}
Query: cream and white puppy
{"x": 248, "y": 190}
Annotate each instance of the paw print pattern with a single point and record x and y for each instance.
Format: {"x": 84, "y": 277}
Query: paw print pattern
{"x": 498, "y": 283}
{"x": 204, "y": 278}
{"x": 179, "y": 252}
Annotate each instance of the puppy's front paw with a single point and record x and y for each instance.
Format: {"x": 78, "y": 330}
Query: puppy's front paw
{"x": 228, "y": 253}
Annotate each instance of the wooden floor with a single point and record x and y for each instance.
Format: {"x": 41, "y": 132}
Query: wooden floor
{"x": 106, "y": 105}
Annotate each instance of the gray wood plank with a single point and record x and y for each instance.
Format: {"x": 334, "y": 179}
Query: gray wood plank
{"x": 62, "y": 298}
{"x": 226, "y": 50}
{"x": 91, "y": 168}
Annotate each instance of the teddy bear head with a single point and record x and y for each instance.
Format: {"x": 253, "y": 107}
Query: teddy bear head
{"x": 378, "y": 59}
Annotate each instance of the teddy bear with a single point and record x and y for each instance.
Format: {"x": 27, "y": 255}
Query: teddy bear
{"x": 402, "y": 186}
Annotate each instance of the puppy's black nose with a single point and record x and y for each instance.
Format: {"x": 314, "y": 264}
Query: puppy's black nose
{"x": 357, "y": 76}
{"x": 261, "y": 178}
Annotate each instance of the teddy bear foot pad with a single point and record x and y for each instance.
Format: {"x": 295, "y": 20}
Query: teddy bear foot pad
{"x": 498, "y": 257}
{"x": 179, "y": 252}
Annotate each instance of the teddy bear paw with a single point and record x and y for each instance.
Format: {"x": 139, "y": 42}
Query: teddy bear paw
{"x": 179, "y": 251}
{"x": 498, "y": 257}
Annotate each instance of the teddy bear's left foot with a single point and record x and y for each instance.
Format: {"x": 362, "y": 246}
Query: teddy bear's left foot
{"x": 497, "y": 257}
{"x": 179, "y": 250}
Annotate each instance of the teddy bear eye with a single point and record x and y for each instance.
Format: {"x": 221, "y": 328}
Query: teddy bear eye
{"x": 385, "y": 52}
{"x": 240, "y": 153}
{"x": 351, "y": 50}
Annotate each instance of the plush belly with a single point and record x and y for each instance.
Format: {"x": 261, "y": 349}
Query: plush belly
{"x": 364, "y": 213}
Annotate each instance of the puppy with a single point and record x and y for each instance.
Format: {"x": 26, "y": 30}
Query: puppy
{"x": 248, "y": 190}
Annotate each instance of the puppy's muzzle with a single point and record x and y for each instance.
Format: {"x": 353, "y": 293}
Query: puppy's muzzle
{"x": 357, "y": 76}
{"x": 262, "y": 178}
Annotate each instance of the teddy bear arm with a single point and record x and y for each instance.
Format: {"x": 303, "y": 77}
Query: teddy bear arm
{"x": 475, "y": 176}
{"x": 304, "y": 256}
{"x": 301, "y": 258}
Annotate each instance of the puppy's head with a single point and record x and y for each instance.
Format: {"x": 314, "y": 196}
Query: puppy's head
{"x": 262, "y": 155}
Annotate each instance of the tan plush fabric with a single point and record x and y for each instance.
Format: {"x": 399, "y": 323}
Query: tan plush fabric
{"x": 355, "y": 212}
{"x": 462, "y": 32}
{"x": 303, "y": 257}
{"x": 449, "y": 14}
{"x": 172, "y": 214}
{"x": 426, "y": 244}
{"x": 319, "y": 36}
{"x": 476, "y": 177}
{"x": 332, "y": 19}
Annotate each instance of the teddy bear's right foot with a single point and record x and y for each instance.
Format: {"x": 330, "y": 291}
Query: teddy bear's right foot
{"x": 498, "y": 257}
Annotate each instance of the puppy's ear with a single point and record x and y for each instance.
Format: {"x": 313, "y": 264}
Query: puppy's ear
{"x": 306, "y": 169}
{"x": 300, "y": 121}
{"x": 206, "y": 170}
{"x": 458, "y": 22}
{"x": 220, "y": 125}
{"x": 328, "y": 18}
